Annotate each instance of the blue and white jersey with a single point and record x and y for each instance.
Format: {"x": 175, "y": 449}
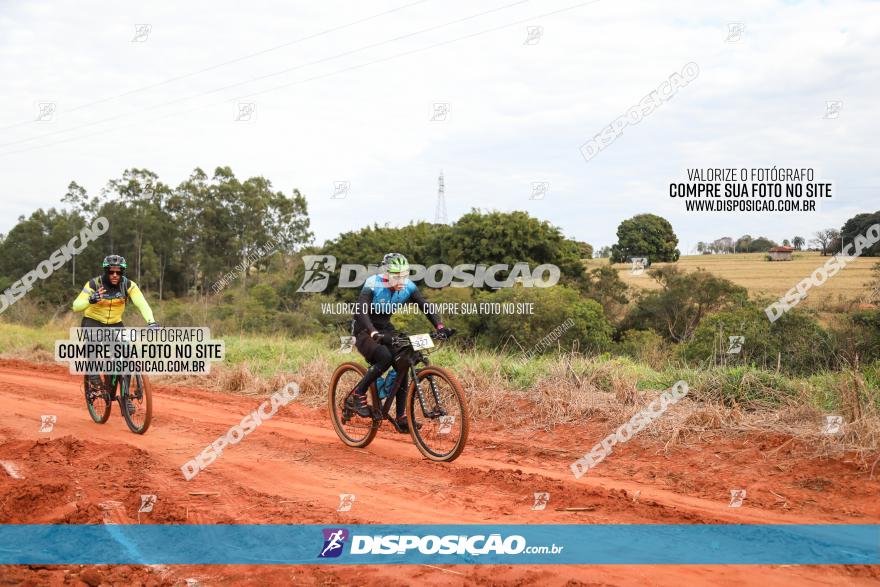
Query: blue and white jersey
{"x": 385, "y": 295}
{"x": 377, "y": 302}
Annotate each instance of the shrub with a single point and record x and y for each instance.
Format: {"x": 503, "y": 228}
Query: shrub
{"x": 645, "y": 346}
{"x": 795, "y": 342}
{"x": 589, "y": 329}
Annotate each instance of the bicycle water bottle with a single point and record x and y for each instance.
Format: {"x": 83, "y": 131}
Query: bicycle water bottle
{"x": 380, "y": 387}
{"x": 386, "y": 384}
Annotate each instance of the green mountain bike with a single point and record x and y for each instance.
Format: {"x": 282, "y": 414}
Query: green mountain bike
{"x": 123, "y": 388}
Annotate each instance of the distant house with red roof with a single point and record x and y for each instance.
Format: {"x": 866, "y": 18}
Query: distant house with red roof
{"x": 780, "y": 253}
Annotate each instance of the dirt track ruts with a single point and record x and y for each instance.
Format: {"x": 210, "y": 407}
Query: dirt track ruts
{"x": 292, "y": 469}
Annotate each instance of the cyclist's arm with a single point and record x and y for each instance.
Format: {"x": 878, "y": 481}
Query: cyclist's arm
{"x": 140, "y": 302}
{"x": 82, "y": 300}
{"x": 419, "y": 299}
{"x": 363, "y": 302}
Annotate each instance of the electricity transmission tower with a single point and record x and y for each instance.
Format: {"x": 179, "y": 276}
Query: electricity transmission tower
{"x": 440, "y": 212}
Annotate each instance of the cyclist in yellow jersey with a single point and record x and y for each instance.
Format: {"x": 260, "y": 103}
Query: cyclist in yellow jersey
{"x": 103, "y": 299}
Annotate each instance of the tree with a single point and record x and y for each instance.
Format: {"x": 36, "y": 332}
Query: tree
{"x": 786, "y": 242}
{"x": 261, "y": 215}
{"x": 138, "y": 190}
{"x": 476, "y": 238}
{"x": 701, "y": 247}
{"x": 604, "y": 252}
{"x": 33, "y": 240}
{"x": 586, "y": 250}
{"x": 744, "y": 244}
{"x": 823, "y": 238}
{"x": 509, "y": 238}
{"x": 645, "y": 235}
{"x": 724, "y": 244}
{"x": 176, "y": 240}
{"x": 419, "y": 242}
{"x": 873, "y": 286}
{"x": 798, "y": 242}
{"x": 762, "y": 245}
{"x": 683, "y": 300}
{"x": 856, "y": 227}
{"x": 228, "y": 220}
{"x": 604, "y": 285}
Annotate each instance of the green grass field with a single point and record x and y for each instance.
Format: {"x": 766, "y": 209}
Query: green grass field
{"x": 268, "y": 359}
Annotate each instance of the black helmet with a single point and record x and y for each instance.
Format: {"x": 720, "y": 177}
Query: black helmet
{"x": 114, "y": 261}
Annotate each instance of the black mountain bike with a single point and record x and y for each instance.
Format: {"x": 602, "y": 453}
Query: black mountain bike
{"x": 435, "y": 403}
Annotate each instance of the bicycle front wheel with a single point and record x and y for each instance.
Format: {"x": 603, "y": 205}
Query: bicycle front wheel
{"x": 438, "y": 415}
{"x": 352, "y": 429}
{"x": 138, "y": 389}
{"x": 98, "y": 402}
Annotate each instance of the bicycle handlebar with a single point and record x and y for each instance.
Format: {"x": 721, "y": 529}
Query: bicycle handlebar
{"x": 401, "y": 339}
{"x": 438, "y": 336}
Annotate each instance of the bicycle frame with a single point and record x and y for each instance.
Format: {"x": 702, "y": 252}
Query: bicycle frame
{"x": 403, "y": 348}
{"x": 116, "y": 380}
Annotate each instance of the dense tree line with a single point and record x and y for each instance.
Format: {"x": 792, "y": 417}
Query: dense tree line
{"x": 476, "y": 238}
{"x": 177, "y": 241}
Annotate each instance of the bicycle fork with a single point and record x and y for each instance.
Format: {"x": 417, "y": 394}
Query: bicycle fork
{"x": 438, "y": 409}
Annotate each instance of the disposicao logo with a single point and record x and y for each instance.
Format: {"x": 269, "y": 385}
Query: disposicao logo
{"x": 320, "y": 268}
{"x": 334, "y": 542}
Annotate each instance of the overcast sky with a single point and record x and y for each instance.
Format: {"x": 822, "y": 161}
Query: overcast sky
{"x": 342, "y": 102}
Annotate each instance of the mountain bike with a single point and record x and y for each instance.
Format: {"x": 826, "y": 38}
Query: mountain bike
{"x": 135, "y": 387}
{"x": 435, "y": 402}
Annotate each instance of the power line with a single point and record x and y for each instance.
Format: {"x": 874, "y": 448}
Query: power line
{"x": 266, "y": 76}
{"x": 225, "y": 63}
{"x": 317, "y": 77}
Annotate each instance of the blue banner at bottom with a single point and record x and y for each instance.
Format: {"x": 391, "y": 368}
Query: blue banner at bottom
{"x": 557, "y": 544}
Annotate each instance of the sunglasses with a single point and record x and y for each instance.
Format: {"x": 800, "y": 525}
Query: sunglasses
{"x": 115, "y": 272}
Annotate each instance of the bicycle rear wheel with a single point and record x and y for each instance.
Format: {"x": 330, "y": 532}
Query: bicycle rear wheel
{"x": 138, "y": 389}
{"x": 352, "y": 429}
{"x": 438, "y": 415}
{"x": 98, "y": 402}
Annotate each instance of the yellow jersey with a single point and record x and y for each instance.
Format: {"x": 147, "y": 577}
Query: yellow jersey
{"x": 109, "y": 308}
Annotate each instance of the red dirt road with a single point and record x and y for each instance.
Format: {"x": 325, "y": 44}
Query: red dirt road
{"x": 292, "y": 469}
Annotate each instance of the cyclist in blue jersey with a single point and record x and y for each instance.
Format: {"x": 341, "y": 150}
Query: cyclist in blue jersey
{"x": 381, "y": 296}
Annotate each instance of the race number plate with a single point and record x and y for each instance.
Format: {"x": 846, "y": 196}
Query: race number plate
{"x": 421, "y": 341}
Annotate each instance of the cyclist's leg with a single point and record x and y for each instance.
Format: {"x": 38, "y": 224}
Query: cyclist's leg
{"x": 379, "y": 357}
{"x": 114, "y": 384}
{"x": 400, "y": 396}
{"x": 95, "y": 381}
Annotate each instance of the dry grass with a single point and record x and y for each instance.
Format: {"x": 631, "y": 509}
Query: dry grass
{"x": 243, "y": 379}
{"x": 568, "y": 389}
{"x": 772, "y": 279}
